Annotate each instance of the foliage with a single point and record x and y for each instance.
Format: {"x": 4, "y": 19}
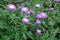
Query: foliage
{"x": 11, "y": 27}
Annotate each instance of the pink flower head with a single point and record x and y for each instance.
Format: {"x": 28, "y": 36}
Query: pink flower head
{"x": 42, "y": 15}
{"x": 38, "y": 22}
{"x": 52, "y": 9}
{"x": 25, "y": 20}
{"x": 31, "y": 11}
{"x": 58, "y": 0}
{"x": 28, "y": 12}
{"x": 37, "y": 5}
{"x": 38, "y": 31}
{"x": 11, "y": 7}
{"x": 24, "y": 9}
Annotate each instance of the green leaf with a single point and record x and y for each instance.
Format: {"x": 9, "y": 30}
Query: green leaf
{"x": 24, "y": 36}
{"x": 17, "y": 37}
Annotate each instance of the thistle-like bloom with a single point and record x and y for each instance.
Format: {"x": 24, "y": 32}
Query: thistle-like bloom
{"x": 37, "y": 5}
{"x": 52, "y": 9}
{"x": 31, "y": 11}
{"x": 42, "y": 15}
{"x": 38, "y": 22}
{"x": 25, "y": 20}
{"x": 24, "y": 9}
{"x": 28, "y": 12}
{"x": 11, "y": 7}
{"x": 38, "y": 31}
{"x": 58, "y": 0}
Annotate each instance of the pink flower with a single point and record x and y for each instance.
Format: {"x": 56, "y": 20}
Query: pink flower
{"x": 24, "y": 9}
{"x": 42, "y": 15}
{"x": 38, "y": 31}
{"x": 52, "y": 9}
{"x": 28, "y": 12}
{"x": 31, "y": 11}
{"x": 58, "y": 0}
{"x": 11, "y": 7}
{"x": 38, "y": 22}
{"x": 37, "y": 5}
{"x": 25, "y": 20}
